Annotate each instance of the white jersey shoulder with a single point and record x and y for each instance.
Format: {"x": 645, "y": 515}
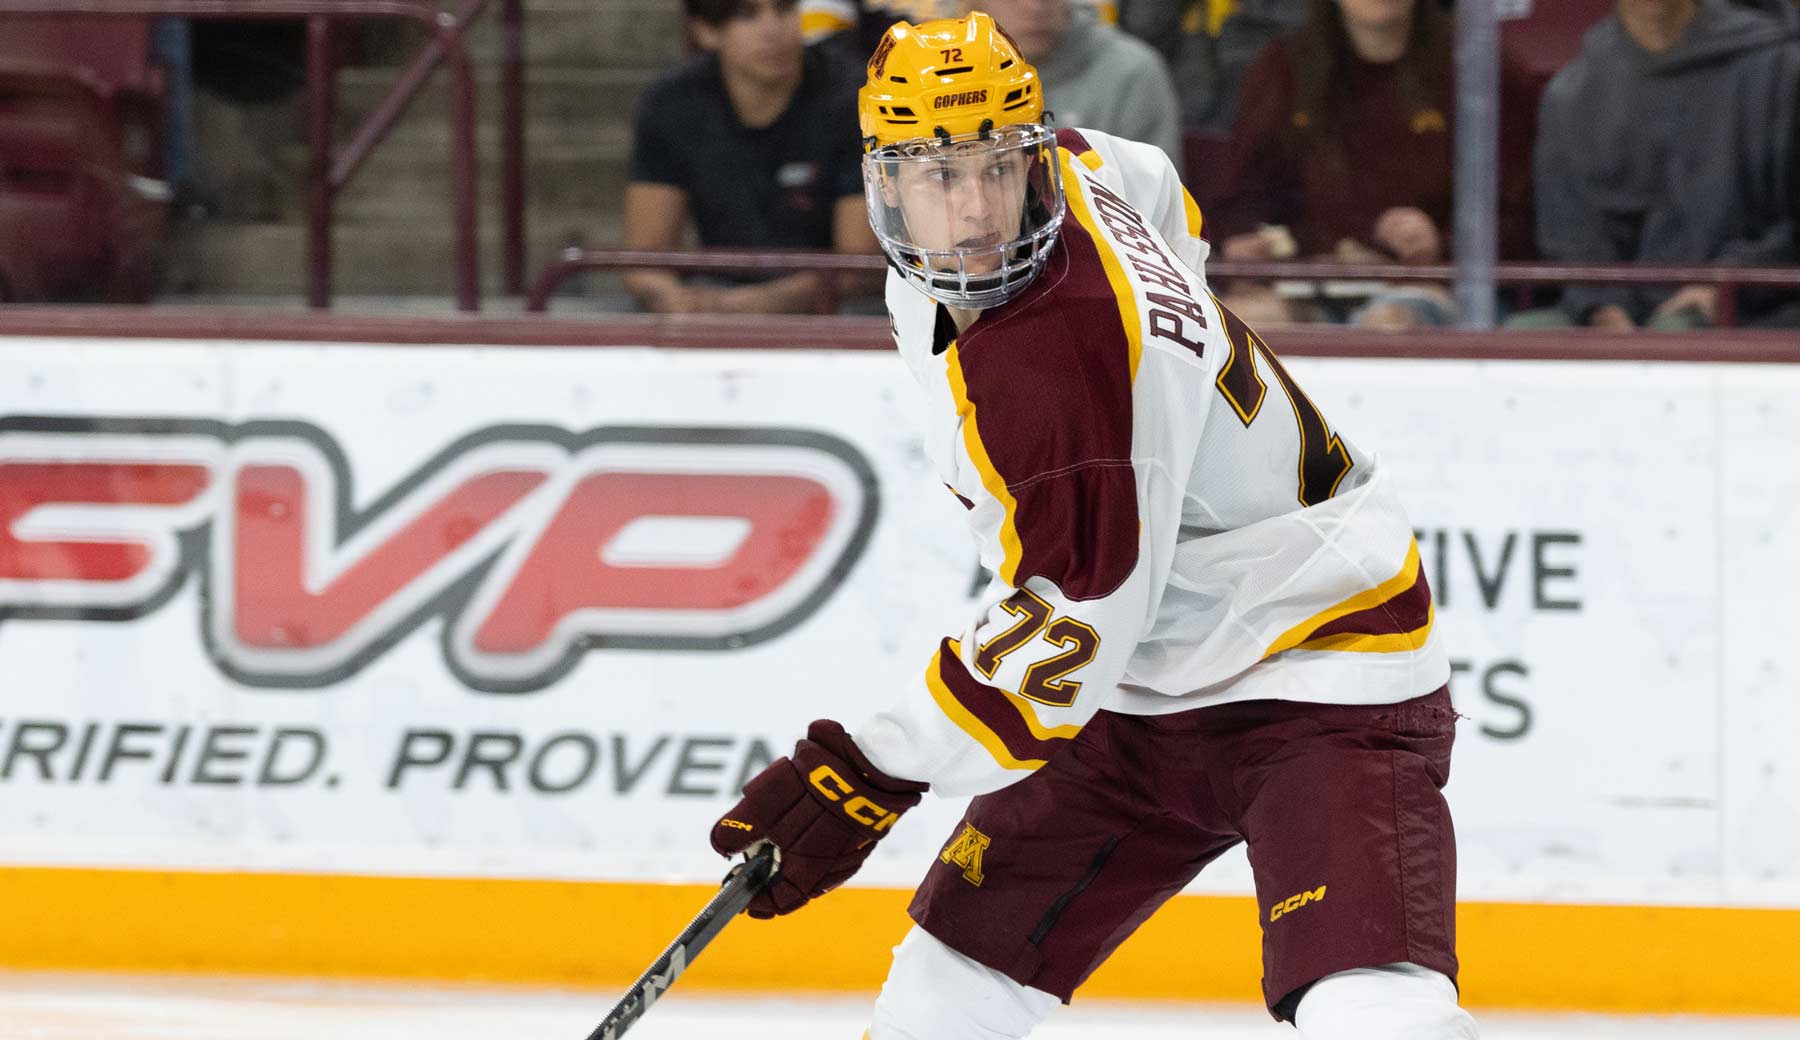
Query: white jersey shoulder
{"x": 1145, "y": 176}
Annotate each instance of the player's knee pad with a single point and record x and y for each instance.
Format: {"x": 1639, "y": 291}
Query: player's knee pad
{"x": 934, "y": 993}
{"x": 1391, "y": 1002}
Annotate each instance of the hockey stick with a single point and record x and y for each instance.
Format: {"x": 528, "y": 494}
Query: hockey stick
{"x": 745, "y": 880}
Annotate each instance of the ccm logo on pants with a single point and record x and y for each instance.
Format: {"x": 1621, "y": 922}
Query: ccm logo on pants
{"x": 1293, "y": 903}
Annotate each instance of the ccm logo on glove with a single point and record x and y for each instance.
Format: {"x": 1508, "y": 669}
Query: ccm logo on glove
{"x": 824, "y": 807}
{"x": 827, "y": 782}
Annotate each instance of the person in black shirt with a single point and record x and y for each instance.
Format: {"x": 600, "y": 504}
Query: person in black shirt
{"x": 756, "y": 146}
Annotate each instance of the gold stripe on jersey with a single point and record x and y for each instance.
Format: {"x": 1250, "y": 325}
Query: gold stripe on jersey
{"x": 1296, "y": 637}
{"x": 1082, "y": 211}
{"x": 1194, "y": 220}
{"x": 968, "y": 723}
{"x": 1360, "y": 643}
{"x": 1010, "y": 548}
{"x": 985, "y": 734}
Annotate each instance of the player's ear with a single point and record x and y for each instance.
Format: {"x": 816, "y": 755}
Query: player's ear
{"x": 890, "y": 191}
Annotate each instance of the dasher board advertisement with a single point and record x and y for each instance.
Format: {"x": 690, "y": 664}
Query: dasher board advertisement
{"x": 538, "y": 613}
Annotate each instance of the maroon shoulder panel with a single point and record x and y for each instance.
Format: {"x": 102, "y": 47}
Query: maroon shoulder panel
{"x": 1070, "y": 138}
{"x": 1049, "y": 375}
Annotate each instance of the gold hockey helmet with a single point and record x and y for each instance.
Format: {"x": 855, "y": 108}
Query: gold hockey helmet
{"x": 946, "y": 78}
{"x": 959, "y": 171}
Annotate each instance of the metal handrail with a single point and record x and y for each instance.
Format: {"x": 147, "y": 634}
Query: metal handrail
{"x": 51, "y": 327}
{"x": 325, "y": 177}
{"x": 732, "y": 261}
{"x": 1512, "y": 273}
{"x": 1729, "y": 279}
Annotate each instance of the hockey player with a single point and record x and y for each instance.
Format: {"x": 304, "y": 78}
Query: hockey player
{"x": 1208, "y": 623}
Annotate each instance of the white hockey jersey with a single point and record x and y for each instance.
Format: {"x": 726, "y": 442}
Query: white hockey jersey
{"x": 1170, "y": 521}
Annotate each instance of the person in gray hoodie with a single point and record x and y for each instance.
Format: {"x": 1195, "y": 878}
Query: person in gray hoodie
{"x": 1094, "y": 75}
{"x": 1671, "y": 139}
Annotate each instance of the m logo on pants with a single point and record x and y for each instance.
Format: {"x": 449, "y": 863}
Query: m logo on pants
{"x": 965, "y": 851}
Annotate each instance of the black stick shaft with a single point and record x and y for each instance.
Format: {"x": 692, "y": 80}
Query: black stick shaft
{"x": 741, "y": 885}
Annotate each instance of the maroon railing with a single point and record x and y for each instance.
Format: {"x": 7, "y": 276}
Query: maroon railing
{"x": 792, "y": 332}
{"x": 328, "y": 174}
{"x": 1728, "y": 279}
{"x": 731, "y": 261}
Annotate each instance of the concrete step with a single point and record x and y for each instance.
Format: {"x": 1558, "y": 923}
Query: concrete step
{"x": 421, "y": 132}
{"x": 613, "y": 33}
{"x": 587, "y": 64}
{"x": 407, "y": 179}
{"x": 565, "y": 101}
{"x": 646, "y": 34}
{"x": 217, "y": 258}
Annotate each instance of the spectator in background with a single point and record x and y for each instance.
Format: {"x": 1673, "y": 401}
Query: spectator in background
{"x": 1094, "y": 75}
{"x": 1342, "y": 150}
{"x": 249, "y": 104}
{"x": 854, "y": 27}
{"x": 1671, "y": 140}
{"x": 1207, "y": 45}
{"x": 754, "y": 145}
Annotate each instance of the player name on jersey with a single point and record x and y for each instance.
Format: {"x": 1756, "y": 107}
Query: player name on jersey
{"x": 1172, "y": 309}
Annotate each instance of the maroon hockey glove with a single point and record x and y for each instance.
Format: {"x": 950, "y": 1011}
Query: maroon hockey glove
{"x": 824, "y": 808}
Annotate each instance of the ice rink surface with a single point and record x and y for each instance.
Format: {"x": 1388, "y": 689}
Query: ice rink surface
{"x": 65, "y": 1007}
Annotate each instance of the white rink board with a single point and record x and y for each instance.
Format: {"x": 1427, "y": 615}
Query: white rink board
{"x": 40, "y": 1007}
{"x": 1612, "y": 545}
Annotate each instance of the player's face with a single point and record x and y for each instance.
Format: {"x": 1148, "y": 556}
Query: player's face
{"x": 973, "y": 198}
{"x": 1378, "y": 14}
{"x": 1657, "y": 8}
{"x": 760, "y": 41}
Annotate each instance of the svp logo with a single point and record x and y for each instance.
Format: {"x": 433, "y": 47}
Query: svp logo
{"x": 533, "y": 545}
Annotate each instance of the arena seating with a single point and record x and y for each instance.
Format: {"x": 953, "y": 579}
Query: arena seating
{"x": 1544, "y": 39}
{"x": 1203, "y": 166}
{"x": 81, "y": 206}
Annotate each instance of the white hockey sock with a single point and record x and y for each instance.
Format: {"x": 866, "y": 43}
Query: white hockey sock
{"x": 934, "y": 993}
{"x": 1391, "y": 1002}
